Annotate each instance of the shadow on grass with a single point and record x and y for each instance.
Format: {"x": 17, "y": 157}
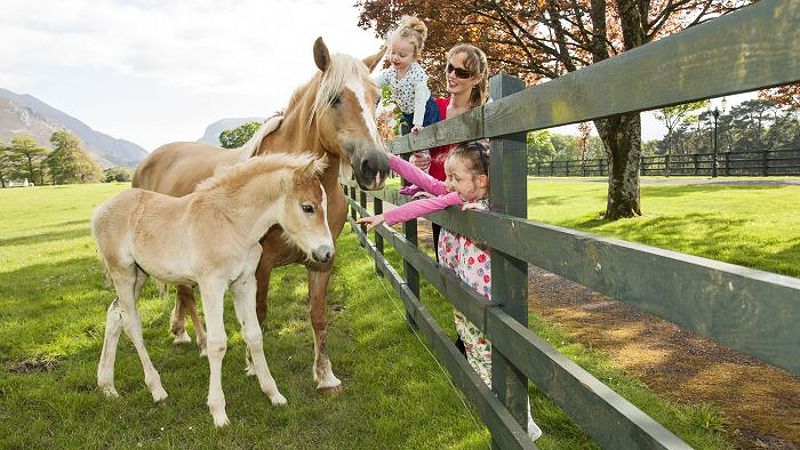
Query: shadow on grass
{"x": 46, "y": 237}
{"x": 662, "y": 191}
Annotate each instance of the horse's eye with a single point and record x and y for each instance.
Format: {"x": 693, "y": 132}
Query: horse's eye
{"x": 308, "y": 209}
{"x": 335, "y": 100}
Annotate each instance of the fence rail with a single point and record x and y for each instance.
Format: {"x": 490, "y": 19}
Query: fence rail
{"x": 764, "y": 163}
{"x": 754, "y": 311}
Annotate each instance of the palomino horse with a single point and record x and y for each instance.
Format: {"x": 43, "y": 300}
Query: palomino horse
{"x": 333, "y": 115}
{"x": 210, "y": 239}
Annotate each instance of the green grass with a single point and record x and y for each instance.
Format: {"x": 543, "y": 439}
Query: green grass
{"x": 52, "y": 310}
{"x": 754, "y": 226}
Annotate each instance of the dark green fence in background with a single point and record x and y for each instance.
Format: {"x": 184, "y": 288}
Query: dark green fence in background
{"x": 762, "y": 163}
{"x": 749, "y": 310}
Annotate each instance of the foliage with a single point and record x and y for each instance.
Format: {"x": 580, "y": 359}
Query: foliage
{"x": 388, "y": 115}
{"x": 788, "y": 96}
{"x": 118, "y": 174}
{"x": 237, "y": 137}
{"x": 673, "y": 116}
{"x": 23, "y": 158}
{"x": 69, "y": 163}
{"x": 545, "y": 146}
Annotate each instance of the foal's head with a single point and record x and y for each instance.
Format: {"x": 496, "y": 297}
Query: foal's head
{"x": 305, "y": 213}
{"x": 343, "y": 111}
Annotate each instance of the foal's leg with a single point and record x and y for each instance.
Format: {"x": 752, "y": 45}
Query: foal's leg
{"x": 105, "y": 369}
{"x": 184, "y": 304}
{"x": 244, "y": 302}
{"x": 323, "y": 374}
{"x": 212, "y": 293}
{"x": 128, "y": 290}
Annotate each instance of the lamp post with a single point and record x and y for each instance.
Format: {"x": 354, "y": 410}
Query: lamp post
{"x": 715, "y": 112}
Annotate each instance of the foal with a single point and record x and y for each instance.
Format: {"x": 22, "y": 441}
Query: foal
{"x": 210, "y": 239}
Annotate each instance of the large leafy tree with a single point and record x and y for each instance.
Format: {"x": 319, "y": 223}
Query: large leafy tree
{"x": 541, "y": 40}
{"x": 673, "y": 116}
{"x": 236, "y": 137}
{"x": 23, "y": 159}
{"x": 69, "y": 163}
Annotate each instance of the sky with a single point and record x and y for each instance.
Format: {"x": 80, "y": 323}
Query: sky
{"x": 158, "y": 71}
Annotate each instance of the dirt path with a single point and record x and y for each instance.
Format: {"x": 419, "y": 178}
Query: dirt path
{"x": 760, "y": 402}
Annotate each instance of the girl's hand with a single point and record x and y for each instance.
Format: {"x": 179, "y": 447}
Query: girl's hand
{"x": 415, "y": 129}
{"x": 422, "y": 160}
{"x": 372, "y": 221}
{"x": 473, "y": 205}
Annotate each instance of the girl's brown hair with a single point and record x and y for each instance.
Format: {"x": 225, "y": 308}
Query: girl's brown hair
{"x": 475, "y": 62}
{"x": 474, "y": 152}
{"x": 412, "y": 29}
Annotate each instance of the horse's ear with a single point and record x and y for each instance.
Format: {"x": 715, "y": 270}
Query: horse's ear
{"x": 321, "y": 55}
{"x": 373, "y": 60}
{"x": 314, "y": 168}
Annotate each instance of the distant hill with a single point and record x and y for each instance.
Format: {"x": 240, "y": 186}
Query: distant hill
{"x": 211, "y": 136}
{"x": 24, "y": 114}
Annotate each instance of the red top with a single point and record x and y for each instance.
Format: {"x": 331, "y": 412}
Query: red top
{"x": 439, "y": 154}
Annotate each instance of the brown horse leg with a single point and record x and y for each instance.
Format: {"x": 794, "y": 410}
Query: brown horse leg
{"x": 327, "y": 383}
{"x": 184, "y": 304}
{"x": 263, "y": 272}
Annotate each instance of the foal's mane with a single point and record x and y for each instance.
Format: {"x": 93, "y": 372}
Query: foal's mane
{"x": 235, "y": 176}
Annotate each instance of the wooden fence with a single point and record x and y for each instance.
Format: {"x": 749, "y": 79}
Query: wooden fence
{"x": 763, "y": 163}
{"x": 749, "y": 310}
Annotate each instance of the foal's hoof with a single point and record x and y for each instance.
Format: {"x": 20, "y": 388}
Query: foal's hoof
{"x": 108, "y": 391}
{"x": 182, "y": 338}
{"x": 278, "y": 399}
{"x": 221, "y": 420}
{"x": 159, "y": 395}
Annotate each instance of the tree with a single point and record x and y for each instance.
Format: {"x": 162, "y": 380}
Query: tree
{"x": 69, "y": 163}
{"x": 24, "y": 159}
{"x": 539, "y": 149}
{"x": 4, "y": 164}
{"x": 237, "y": 137}
{"x": 118, "y": 174}
{"x": 543, "y": 40}
{"x": 672, "y": 116}
{"x": 788, "y": 95}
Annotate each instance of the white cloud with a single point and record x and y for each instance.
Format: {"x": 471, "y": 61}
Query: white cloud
{"x": 214, "y": 58}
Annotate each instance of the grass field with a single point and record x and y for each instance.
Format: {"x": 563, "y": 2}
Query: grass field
{"x": 52, "y": 310}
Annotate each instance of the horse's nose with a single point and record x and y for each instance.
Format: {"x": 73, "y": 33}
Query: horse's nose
{"x": 322, "y": 254}
{"x": 373, "y": 170}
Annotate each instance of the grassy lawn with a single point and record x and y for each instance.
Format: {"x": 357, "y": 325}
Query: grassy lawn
{"x": 52, "y": 310}
{"x": 754, "y": 226}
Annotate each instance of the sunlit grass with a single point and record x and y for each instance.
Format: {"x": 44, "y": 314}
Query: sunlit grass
{"x": 751, "y": 225}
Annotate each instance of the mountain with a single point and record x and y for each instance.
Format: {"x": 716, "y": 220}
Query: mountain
{"x": 211, "y": 136}
{"x": 25, "y": 114}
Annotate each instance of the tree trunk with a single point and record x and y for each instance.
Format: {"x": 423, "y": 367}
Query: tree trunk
{"x": 621, "y": 136}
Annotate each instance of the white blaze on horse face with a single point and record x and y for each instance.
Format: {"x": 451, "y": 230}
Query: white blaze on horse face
{"x": 369, "y": 119}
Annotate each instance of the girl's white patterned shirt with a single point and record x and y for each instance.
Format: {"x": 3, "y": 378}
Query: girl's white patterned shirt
{"x": 411, "y": 92}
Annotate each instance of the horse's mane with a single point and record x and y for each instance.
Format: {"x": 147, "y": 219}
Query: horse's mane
{"x": 250, "y": 148}
{"x": 235, "y": 176}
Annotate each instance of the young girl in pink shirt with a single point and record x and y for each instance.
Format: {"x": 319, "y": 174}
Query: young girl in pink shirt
{"x": 466, "y": 185}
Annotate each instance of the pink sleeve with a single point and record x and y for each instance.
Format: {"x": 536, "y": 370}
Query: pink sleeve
{"x": 419, "y": 208}
{"x": 416, "y": 176}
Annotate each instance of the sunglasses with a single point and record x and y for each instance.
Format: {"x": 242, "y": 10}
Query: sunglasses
{"x": 460, "y": 73}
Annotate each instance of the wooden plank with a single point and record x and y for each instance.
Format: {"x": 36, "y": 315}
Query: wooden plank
{"x": 464, "y": 127}
{"x": 505, "y": 430}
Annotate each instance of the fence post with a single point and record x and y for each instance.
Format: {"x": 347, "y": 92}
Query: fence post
{"x": 362, "y": 200}
{"x": 728, "y": 163}
{"x": 694, "y": 157}
{"x": 667, "y": 162}
{"x": 412, "y": 276}
{"x": 378, "y": 209}
{"x": 765, "y": 156}
{"x": 508, "y": 195}
{"x": 567, "y": 167}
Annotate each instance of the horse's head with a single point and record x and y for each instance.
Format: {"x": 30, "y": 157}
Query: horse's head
{"x": 344, "y": 113}
{"x": 305, "y": 213}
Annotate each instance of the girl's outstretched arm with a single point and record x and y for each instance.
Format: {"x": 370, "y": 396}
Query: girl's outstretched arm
{"x": 416, "y": 176}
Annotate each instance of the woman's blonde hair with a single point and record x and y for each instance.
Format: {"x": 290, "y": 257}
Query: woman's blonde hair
{"x": 475, "y": 62}
{"x": 412, "y": 29}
